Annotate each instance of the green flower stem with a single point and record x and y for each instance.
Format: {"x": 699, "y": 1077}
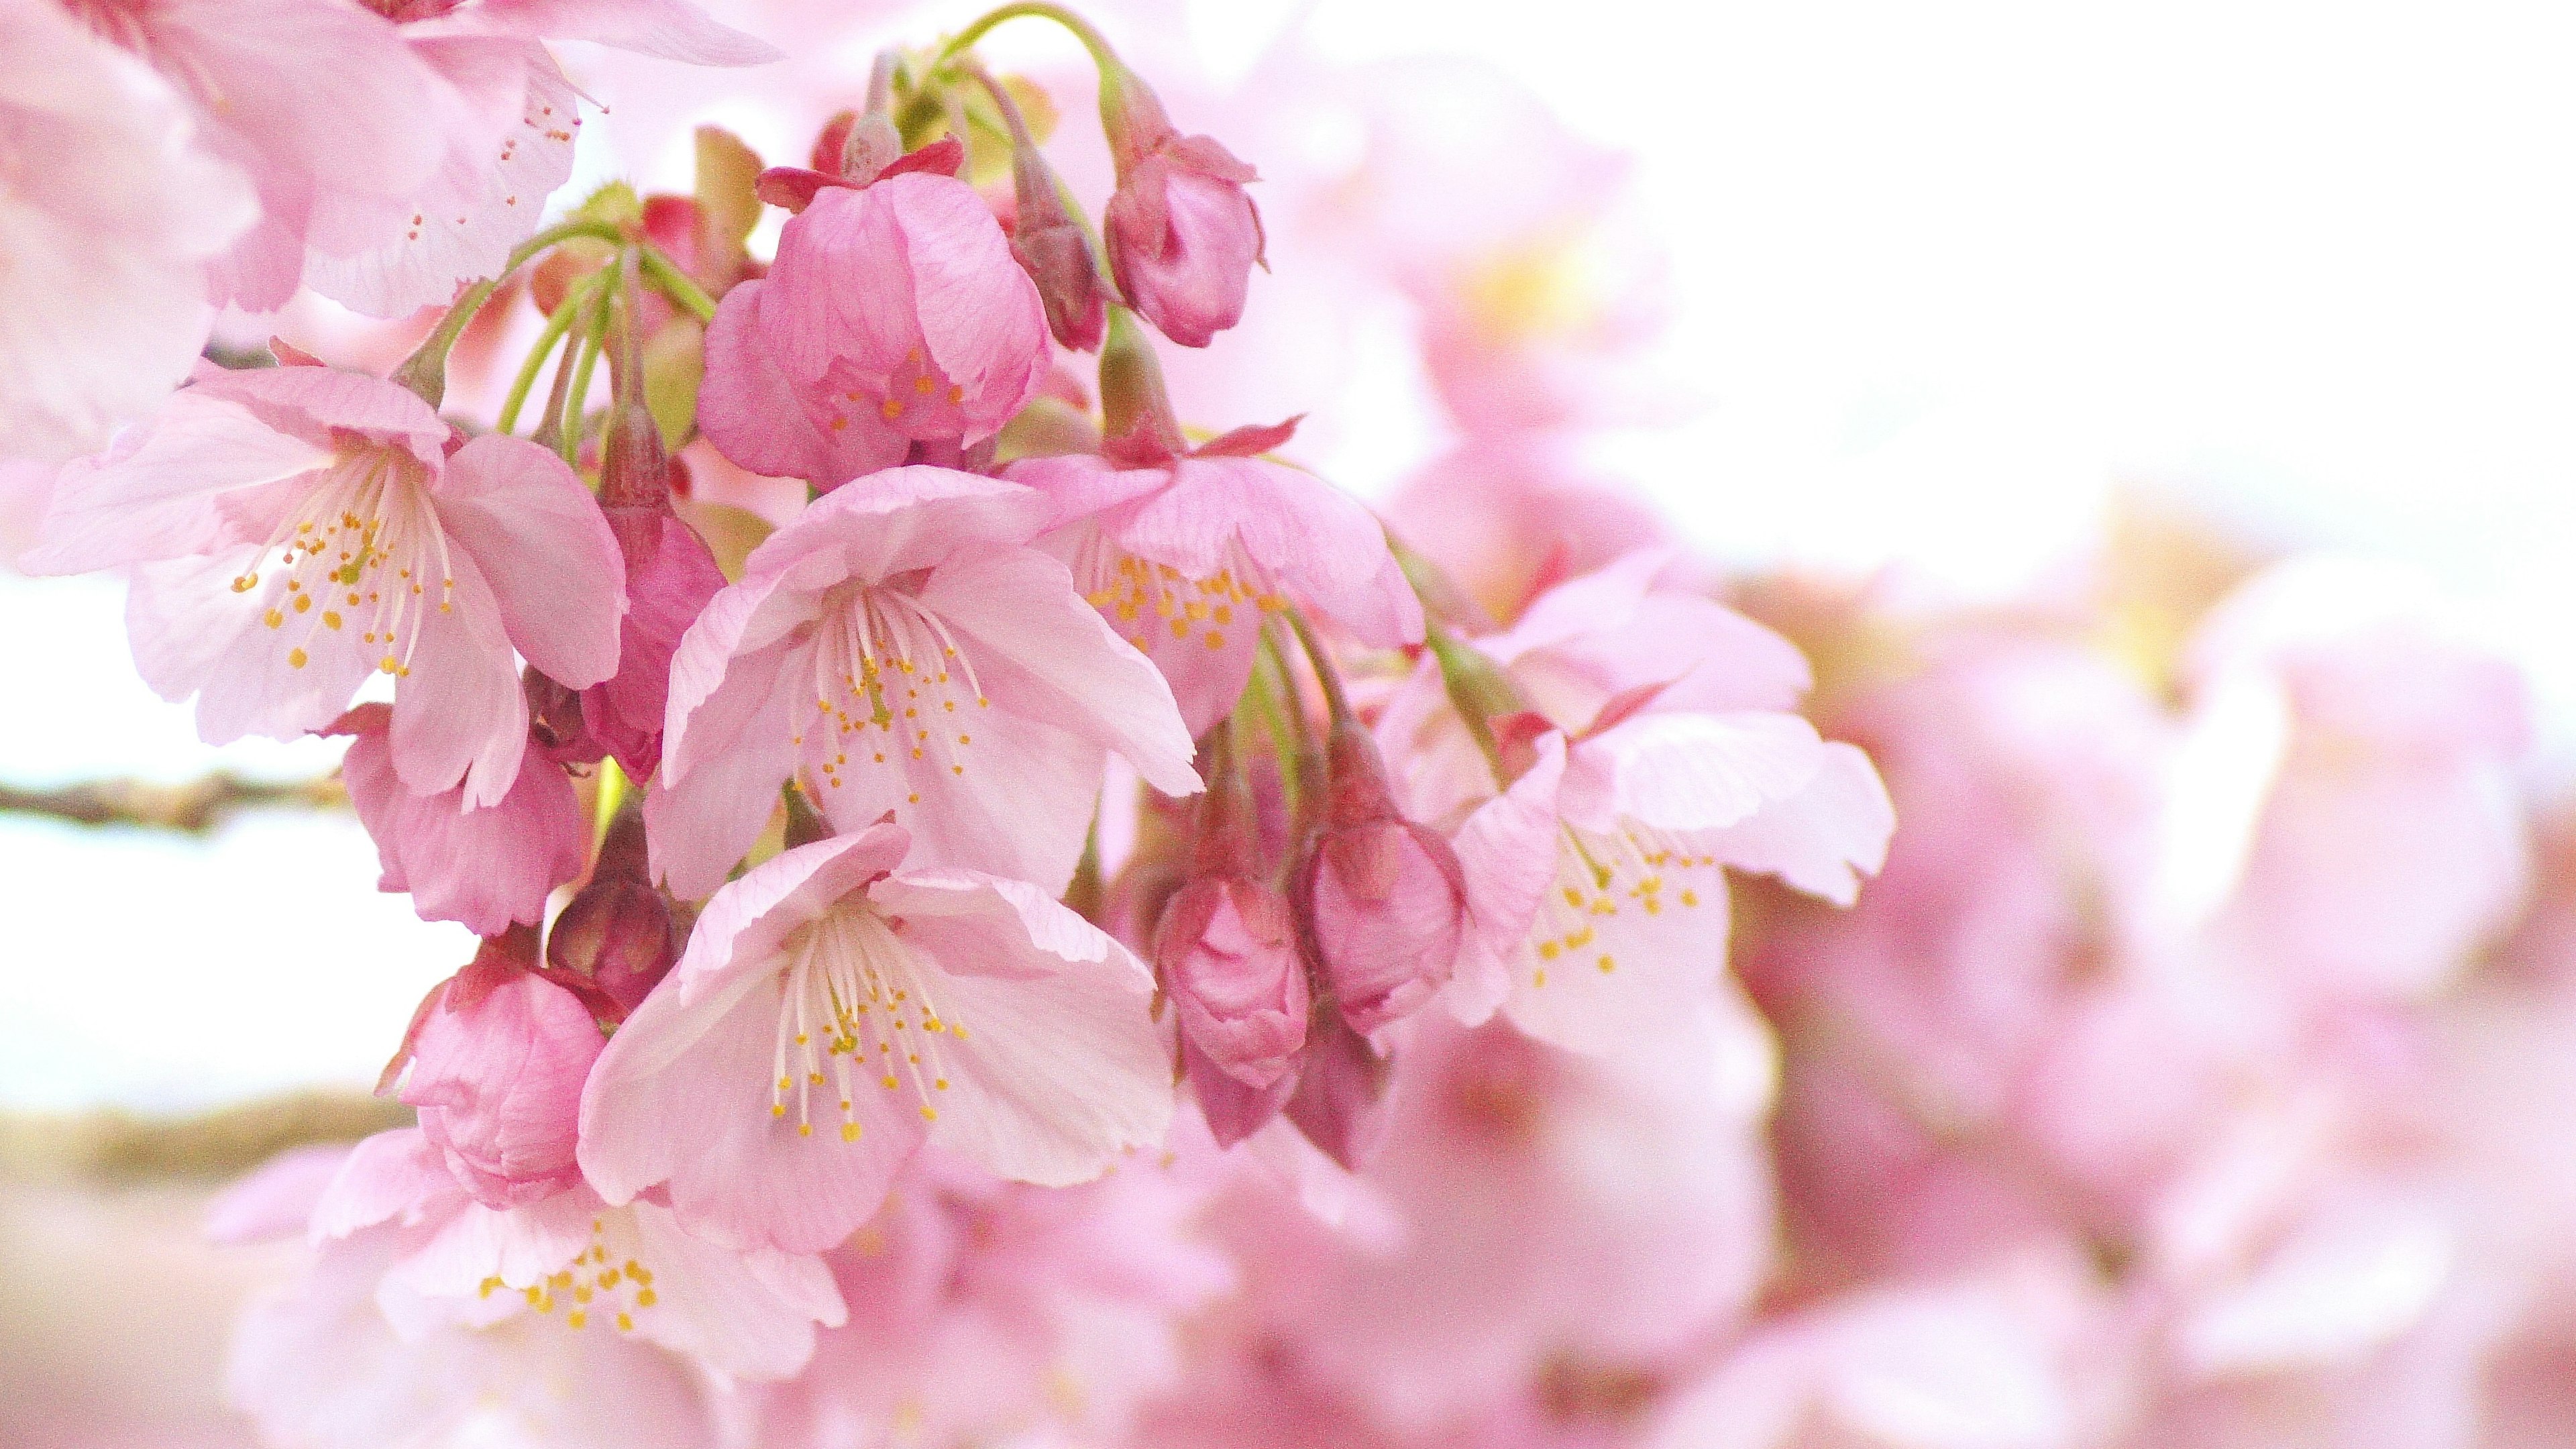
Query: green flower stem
{"x": 594, "y": 336}
{"x": 556, "y": 325}
{"x": 671, "y": 282}
{"x": 425, "y": 371}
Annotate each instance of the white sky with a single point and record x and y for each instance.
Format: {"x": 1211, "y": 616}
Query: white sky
{"x": 1948, "y": 272}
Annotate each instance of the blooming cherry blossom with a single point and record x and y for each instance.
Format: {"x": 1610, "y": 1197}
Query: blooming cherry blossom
{"x": 894, "y": 319}
{"x": 485, "y": 868}
{"x": 1660, "y": 753}
{"x": 901, "y": 649}
{"x": 1185, "y": 556}
{"x": 834, "y": 1010}
{"x": 298, "y": 528}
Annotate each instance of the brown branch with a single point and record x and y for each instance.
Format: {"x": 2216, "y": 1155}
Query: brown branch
{"x": 194, "y": 806}
{"x": 114, "y": 1146}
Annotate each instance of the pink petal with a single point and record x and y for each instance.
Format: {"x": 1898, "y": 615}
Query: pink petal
{"x": 536, "y": 535}
{"x": 156, "y": 498}
{"x": 759, "y": 417}
{"x": 1822, "y": 839}
{"x": 1047, "y": 655}
{"x": 670, "y": 29}
{"x": 1327, "y": 550}
{"x": 1059, "y": 1067}
{"x": 485, "y": 868}
{"x": 1689, "y": 772}
{"x": 1508, "y": 853}
{"x": 459, "y": 714}
{"x": 391, "y": 1177}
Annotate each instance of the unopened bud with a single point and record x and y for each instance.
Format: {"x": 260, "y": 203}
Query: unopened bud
{"x": 617, "y": 933}
{"x": 1227, "y": 953}
{"x": 1183, "y": 235}
{"x": 1383, "y": 897}
{"x": 498, "y": 1054}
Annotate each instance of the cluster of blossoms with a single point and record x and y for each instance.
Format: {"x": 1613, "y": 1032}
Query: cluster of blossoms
{"x": 1081, "y": 934}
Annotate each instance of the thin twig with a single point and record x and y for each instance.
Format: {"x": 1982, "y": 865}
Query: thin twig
{"x": 192, "y": 807}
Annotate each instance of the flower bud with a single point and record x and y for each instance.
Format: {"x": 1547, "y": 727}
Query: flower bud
{"x": 1182, "y": 234}
{"x": 1228, "y": 955}
{"x": 1233, "y": 1110}
{"x": 498, "y": 1057}
{"x": 617, "y": 933}
{"x": 1383, "y": 897}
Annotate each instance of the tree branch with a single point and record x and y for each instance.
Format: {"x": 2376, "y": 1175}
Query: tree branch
{"x": 193, "y": 807}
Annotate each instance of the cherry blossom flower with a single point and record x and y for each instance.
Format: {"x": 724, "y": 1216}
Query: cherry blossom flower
{"x": 893, "y": 319}
{"x": 832, "y": 1012}
{"x": 322, "y": 106}
{"x": 900, "y": 648}
{"x": 987, "y": 1312}
{"x": 109, "y": 215}
{"x": 1186, "y": 556}
{"x": 509, "y": 117}
{"x": 1661, "y": 752}
{"x": 298, "y": 528}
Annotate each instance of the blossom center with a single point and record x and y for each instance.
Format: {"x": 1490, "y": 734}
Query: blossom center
{"x": 1599, "y": 876}
{"x": 608, "y": 1284}
{"x": 363, "y": 517}
{"x": 1144, "y": 600}
{"x": 855, "y": 1007}
{"x": 882, "y": 661}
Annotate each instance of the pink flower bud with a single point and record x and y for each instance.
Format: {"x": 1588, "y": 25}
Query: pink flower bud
{"x": 1182, "y": 234}
{"x": 617, "y": 933}
{"x": 498, "y": 1057}
{"x": 1383, "y": 897}
{"x": 1233, "y": 1110}
{"x": 1228, "y": 956}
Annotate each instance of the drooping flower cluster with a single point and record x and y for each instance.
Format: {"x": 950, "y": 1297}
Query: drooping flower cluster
{"x": 1070, "y": 931}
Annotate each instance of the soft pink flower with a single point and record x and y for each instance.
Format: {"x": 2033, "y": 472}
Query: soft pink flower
{"x": 1227, "y": 951}
{"x": 1185, "y": 559}
{"x": 300, "y": 528}
{"x": 2010, "y": 1358}
{"x": 498, "y": 1056}
{"x": 2363, "y": 746}
{"x": 1664, "y": 754}
{"x": 509, "y": 117}
{"x": 565, "y": 1321}
{"x": 1551, "y": 1213}
{"x": 1183, "y": 238}
{"x": 321, "y": 105}
{"x": 1510, "y": 516}
{"x": 900, "y": 647}
{"x": 1383, "y": 897}
{"x": 987, "y": 1312}
{"x": 894, "y": 317}
{"x": 832, "y": 1013}
{"x": 485, "y": 868}
{"x": 108, "y": 219}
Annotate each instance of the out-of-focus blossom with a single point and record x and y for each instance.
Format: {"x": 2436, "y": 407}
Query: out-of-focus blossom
{"x": 297, "y": 529}
{"x": 2362, "y": 749}
{"x": 321, "y": 105}
{"x": 893, "y": 319}
{"x": 430, "y": 1318}
{"x": 1185, "y": 558}
{"x": 1661, "y": 751}
{"x": 827, "y": 986}
{"x": 985, "y": 1312}
{"x": 901, "y": 648}
{"x": 2009, "y": 1359}
{"x": 109, "y": 215}
{"x": 1553, "y": 1214}
{"x": 1183, "y": 235}
{"x": 1508, "y": 517}
{"x": 484, "y": 868}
